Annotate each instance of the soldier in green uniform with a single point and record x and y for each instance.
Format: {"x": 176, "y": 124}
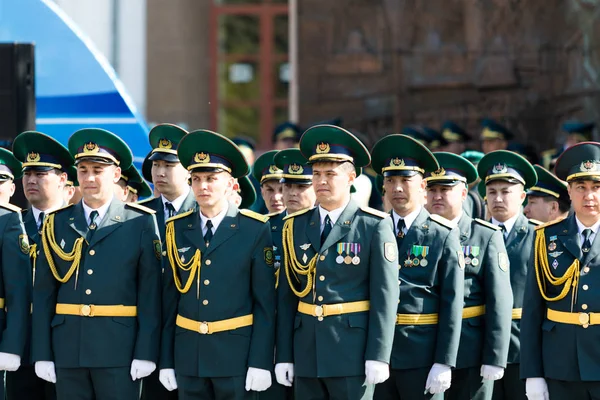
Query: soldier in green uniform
{"x": 243, "y": 194}
{"x": 219, "y": 301}
{"x": 137, "y": 188}
{"x": 268, "y": 175}
{"x": 485, "y": 333}
{"x": 97, "y": 294}
{"x": 506, "y": 176}
{"x": 474, "y": 205}
{"x": 46, "y": 167}
{"x": 577, "y": 132}
{"x": 456, "y": 137}
{"x": 494, "y": 136}
{"x": 15, "y": 278}
{"x": 337, "y": 296}
{"x": 548, "y": 199}
{"x": 560, "y": 333}
{"x": 71, "y": 191}
{"x": 430, "y": 271}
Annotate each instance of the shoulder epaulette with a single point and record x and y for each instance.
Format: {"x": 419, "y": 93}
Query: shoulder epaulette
{"x": 486, "y": 223}
{"x": 549, "y": 223}
{"x": 10, "y": 207}
{"x": 273, "y": 214}
{"x": 442, "y": 221}
{"x": 140, "y": 207}
{"x": 146, "y": 200}
{"x": 375, "y": 212}
{"x": 183, "y": 214}
{"x": 535, "y": 222}
{"x": 60, "y": 209}
{"x": 254, "y": 215}
{"x": 298, "y": 213}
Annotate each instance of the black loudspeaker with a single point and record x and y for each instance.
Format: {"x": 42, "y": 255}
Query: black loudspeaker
{"x": 17, "y": 98}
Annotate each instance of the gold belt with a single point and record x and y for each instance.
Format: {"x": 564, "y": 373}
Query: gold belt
{"x": 326, "y": 310}
{"x": 516, "y": 313}
{"x": 583, "y": 319}
{"x": 206, "y": 328}
{"x": 91, "y": 310}
{"x": 1, "y": 302}
{"x": 416, "y": 319}
{"x": 472, "y": 312}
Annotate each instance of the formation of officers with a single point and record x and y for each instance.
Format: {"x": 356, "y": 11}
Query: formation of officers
{"x": 190, "y": 295}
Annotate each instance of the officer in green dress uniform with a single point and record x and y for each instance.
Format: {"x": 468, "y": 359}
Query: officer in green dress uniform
{"x": 337, "y": 293}
{"x": 456, "y": 137}
{"x": 560, "y": 327}
{"x": 286, "y": 135}
{"x": 506, "y": 176}
{"x": 71, "y": 190}
{"x": 96, "y": 296}
{"x": 46, "y": 166}
{"x": 268, "y": 175}
{"x": 219, "y": 301}
{"x": 137, "y": 187}
{"x": 494, "y": 136}
{"x": 430, "y": 269}
{"x": 548, "y": 199}
{"x": 15, "y": 279}
{"x": 243, "y": 194}
{"x": 485, "y": 333}
{"x": 474, "y": 205}
{"x": 576, "y": 132}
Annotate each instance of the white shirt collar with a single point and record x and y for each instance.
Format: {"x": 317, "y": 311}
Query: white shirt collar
{"x": 581, "y": 227}
{"x": 101, "y": 211}
{"x": 455, "y": 220}
{"x": 216, "y": 220}
{"x": 334, "y": 215}
{"x": 508, "y": 224}
{"x": 177, "y": 203}
{"x": 408, "y": 220}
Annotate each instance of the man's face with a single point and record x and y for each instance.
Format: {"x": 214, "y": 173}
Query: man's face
{"x": 211, "y": 188}
{"x": 332, "y": 182}
{"x": 539, "y": 208}
{"x": 42, "y": 187}
{"x": 446, "y": 200}
{"x": 121, "y": 190}
{"x": 7, "y": 189}
{"x": 585, "y": 199}
{"x": 272, "y": 193}
{"x": 405, "y": 193}
{"x": 504, "y": 199}
{"x": 169, "y": 177}
{"x": 97, "y": 181}
{"x": 489, "y": 145}
{"x": 298, "y": 197}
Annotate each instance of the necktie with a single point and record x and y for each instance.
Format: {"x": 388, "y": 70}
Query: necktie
{"x": 41, "y": 220}
{"x": 209, "y": 233}
{"x": 400, "y": 236}
{"x": 170, "y": 210}
{"x": 587, "y": 245}
{"x": 93, "y": 215}
{"x": 503, "y": 230}
{"x": 326, "y": 229}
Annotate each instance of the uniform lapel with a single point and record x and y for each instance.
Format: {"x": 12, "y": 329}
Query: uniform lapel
{"x": 342, "y": 225}
{"x": 464, "y": 225}
{"x": 31, "y": 227}
{"x": 77, "y": 220}
{"x": 160, "y": 217}
{"x": 416, "y": 233}
{"x": 111, "y": 221}
{"x": 570, "y": 240}
{"x": 193, "y": 232}
{"x": 313, "y": 230}
{"x": 518, "y": 232}
{"x": 226, "y": 229}
{"x": 188, "y": 204}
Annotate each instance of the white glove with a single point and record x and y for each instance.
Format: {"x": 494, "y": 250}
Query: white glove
{"x": 439, "y": 378}
{"x": 45, "y": 370}
{"x": 284, "y": 373}
{"x": 9, "y": 361}
{"x": 491, "y": 372}
{"x": 141, "y": 369}
{"x": 167, "y": 378}
{"x": 536, "y": 389}
{"x": 258, "y": 379}
{"x": 376, "y": 372}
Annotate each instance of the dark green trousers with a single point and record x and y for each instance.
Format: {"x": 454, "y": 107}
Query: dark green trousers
{"x": 24, "y": 384}
{"x": 405, "y": 384}
{"x": 152, "y": 389}
{"x": 511, "y": 387}
{"x": 467, "y": 384}
{"x": 342, "y": 388}
{"x": 96, "y": 384}
{"x": 573, "y": 390}
{"x": 276, "y": 391}
{"x": 232, "y": 388}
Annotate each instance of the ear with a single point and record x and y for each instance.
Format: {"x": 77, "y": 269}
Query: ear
{"x": 117, "y": 174}
{"x": 12, "y": 189}
{"x": 464, "y": 193}
{"x": 523, "y": 195}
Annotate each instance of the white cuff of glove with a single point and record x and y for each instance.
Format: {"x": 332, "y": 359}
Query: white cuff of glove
{"x": 167, "y": 378}
{"x": 491, "y": 372}
{"x": 141, "y": 369}
{"x": 536, "y": 389}
{"x": 9, "y": 361}
{"x": 258, "y": 379}
{"x": 284, "y": 373}
{"x": 376, "y": 372}
{"x": 439, "y": 379}
{"x": 45, "y": 370}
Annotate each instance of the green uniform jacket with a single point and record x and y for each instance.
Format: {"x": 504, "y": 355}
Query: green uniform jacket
{"x": 485, "y": 339}
{"x": 518, "y": 246}
{"x": 120, "y": 266}
{"x": 437, "y": 288}
{"x": 157, "y": 205}
{"x": 339, "y": 345}
{"x": 236, "y": 279}
{"x": 15, "y": 281}
{"x": 34, "y": 238}
{"x": 276, "y": 222}
{"x": 556, "y": 350}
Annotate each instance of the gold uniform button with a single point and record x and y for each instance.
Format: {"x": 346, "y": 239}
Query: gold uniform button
{"x": 585, "y": 287}
{"x": 205, "y": 302}
{"x": 206, "y": 282}
{"x": 92, "y": 252}
{"x": 207, "y": 262}
{"x": 322, "y": 278}
{"x": 320, "y": 298}
{"x": 586, "y": 269}
{"x": 88, "y": 291}
{"x": 584, "y": 306}
{"x": 320, "y": 319}
{"x": 90, "y": 271}
{"x": 322, "y": 258}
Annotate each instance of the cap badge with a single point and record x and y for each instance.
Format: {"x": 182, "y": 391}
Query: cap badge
{"x": 202, "y": 158}
{"x": 588, "y": 166}
{"x": 273, "y": 169}
{"x": 323, "y": 148}
{"x": 296, "y": 169}
{"x": 397, "y": 162}
{"x": 500, "y": 168}
{"x": 165, "y": 144}
{"x": 91, "y": 148}
{"x": 439, "y": 172}
{"x": 33, "y": 157}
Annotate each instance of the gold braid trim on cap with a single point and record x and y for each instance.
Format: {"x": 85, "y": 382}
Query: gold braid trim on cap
{"x": 290, "y": 261}
{"x": 193, "y": 265}
{"x": 49, "y": 242}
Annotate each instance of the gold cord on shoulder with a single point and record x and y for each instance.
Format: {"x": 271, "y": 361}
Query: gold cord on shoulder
{"x": 33, "y": 258}
{"x": 49, "y": 242}
{"x": 193, "y": 266}
{"x": 290, "y": 261}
